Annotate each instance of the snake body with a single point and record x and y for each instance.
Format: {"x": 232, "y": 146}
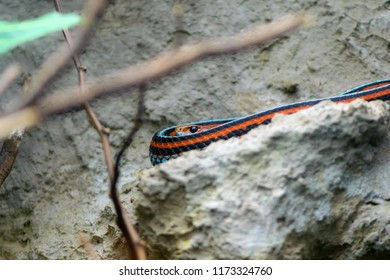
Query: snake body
{"x": 171, "y": 142}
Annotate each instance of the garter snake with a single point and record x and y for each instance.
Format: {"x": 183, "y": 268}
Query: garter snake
{"x": 171, "y": 142}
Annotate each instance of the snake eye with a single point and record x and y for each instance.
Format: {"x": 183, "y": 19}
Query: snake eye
{"x": 193, "y": 129}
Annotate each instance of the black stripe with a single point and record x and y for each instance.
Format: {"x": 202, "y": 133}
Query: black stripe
{"x": 226, "y": 123}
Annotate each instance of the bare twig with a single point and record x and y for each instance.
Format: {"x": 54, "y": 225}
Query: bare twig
{"x": 91, "y": 114}
{"x": 8, "y": 76}
{"x": 149, "y": 70}
{"x": 137, "y": 248}
{"x": 127, "y": 228}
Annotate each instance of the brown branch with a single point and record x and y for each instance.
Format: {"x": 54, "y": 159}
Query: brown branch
{"x": 123, "y": 222}
{"x": 137, "y": 248}
{"x": 91, "y": 114}
{"x": 171, "y": 60}
{"x": 8, "y": 76}
{"x": 149, "y": 70}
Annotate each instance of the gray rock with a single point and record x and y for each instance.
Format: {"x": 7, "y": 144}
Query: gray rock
{"x": 313, "y": 185}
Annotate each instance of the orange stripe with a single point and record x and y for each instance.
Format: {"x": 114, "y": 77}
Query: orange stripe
{"x": 260, "y": 120}
{"x": 225, "y": 131}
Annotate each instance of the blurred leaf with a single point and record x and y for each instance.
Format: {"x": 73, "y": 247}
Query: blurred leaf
{"x": 13, "y": 34}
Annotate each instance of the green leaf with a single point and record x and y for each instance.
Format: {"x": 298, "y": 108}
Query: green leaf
{"x": 13, "y": 34}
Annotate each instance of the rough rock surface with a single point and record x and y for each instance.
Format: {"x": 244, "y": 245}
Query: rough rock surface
{"x": 308, "y": 186}
{"x": 58, "y": 188}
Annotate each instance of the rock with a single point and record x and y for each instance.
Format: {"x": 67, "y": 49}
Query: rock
{"x": 312, "y": 185}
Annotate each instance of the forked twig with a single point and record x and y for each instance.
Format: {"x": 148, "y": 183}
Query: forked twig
{"x": 91, "y": 114}
{"x": 127, "y": 228}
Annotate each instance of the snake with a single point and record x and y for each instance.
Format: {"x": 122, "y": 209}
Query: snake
{"x": 171, "y": 142}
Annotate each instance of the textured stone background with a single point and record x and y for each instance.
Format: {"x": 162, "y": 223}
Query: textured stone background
{"x": 58, "y": 188}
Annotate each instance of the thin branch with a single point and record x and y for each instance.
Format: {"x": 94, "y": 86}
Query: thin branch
{"x": 91, "y": 114}
{"x": 127, "y": 228}
{"x": 137, "y": 248}
{"x": 149, "y": 70}
{"x": 8, "y": 76}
